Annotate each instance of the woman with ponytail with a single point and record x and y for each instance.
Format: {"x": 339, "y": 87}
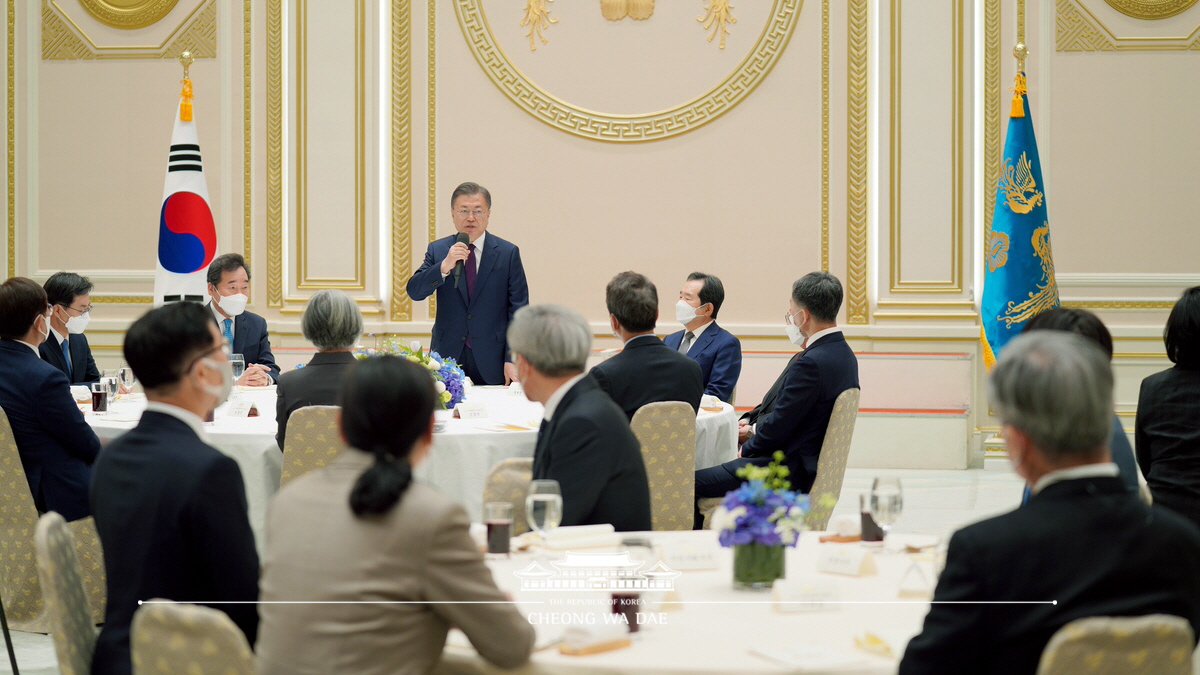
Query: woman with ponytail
{"x": 378, "y": 566}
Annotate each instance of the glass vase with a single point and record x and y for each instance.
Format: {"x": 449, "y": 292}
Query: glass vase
{"x": 757, "y": 566}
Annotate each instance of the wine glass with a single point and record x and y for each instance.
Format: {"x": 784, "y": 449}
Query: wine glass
{"x": 128, "y": 379}
{"x": 111, "y": 377}
{"x": 543, "y": 506}
{"x": 887, "y": 501}
{"x": 239, "y": 365}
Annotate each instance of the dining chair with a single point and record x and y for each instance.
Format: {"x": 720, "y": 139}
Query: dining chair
{"x": 171, "y": 638}
{"x": 1158, "y": 644}
{"x": 831, "y": 465}
{"x": 666, "y": 431}
{"x": 66, "y": 601}
{"x": 508, "y": 481}
{"x": 312, "y": 441}
{"x": 25, "y": 608}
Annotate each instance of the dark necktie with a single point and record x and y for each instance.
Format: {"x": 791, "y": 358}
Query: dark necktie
{"x": 687, "y": 342}
{"x": 67, "y": 355}
{"x": 472, "y": 263}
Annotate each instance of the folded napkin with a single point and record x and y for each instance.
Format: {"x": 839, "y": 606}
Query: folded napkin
{"x": 582, "y": 536}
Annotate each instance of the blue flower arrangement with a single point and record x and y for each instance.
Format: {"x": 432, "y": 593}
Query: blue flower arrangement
{"x": 448, "y": 376}
{"x": 764, "y": 510}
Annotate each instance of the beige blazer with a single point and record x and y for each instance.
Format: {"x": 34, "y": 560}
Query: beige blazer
{"x": 318, "y": 550}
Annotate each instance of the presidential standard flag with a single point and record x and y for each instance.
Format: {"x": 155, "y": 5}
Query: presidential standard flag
{"x": 187, "y": 236}
{"x": 1018, "y": 281}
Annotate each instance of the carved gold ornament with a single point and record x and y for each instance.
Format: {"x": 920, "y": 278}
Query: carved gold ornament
{"x": 997, "y": 250}
{"x": 128, "y": 14}
{"x": 718, "y": 14}
{"x": 1150, "y": 9}
{"x": 1047, "y": 293}
{"x": 615, "y": 10}
{"x": 1020, "y": 189}
{"x": 537, "y": 17}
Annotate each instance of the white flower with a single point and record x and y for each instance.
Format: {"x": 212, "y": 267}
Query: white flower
{"x": 439, "y": 386}
{"x": 433, "y": 365}
{"x": 415, "y": 345}
{"x": 724, "y": 519}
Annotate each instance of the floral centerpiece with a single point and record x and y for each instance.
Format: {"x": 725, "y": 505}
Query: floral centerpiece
{"x": 758, "y": 520}
{"x": 448, "y": 376}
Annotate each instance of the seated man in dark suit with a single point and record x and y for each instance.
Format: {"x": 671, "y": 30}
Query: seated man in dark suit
{"x": 57, "y": 447}
{"x": 585, "y": 442}
{"x": 805, "y": 393}
{"x": 646, "y": 370}
{"x": 171, "y": 509}
{"x": 334, "y": 324}
{"x": 1082, "y": 539}
{"x": 70, "y": 296}
{"x": 244, "y": 332}
{"x": 718, "y": 351}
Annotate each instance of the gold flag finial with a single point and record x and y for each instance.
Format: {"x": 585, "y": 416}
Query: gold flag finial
{"x": 185, "y": 105}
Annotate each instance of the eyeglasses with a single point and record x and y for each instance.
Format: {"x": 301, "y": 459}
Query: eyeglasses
{"x": 85, "y": 310}
{"x": 789, "y": 319}
{"x": 463, "y": 213}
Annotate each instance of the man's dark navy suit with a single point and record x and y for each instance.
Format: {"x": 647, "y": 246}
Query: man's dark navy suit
{"x": 251, "y": 341}
{"x": 83, "y": 366}
{"x": 719, "y": 354}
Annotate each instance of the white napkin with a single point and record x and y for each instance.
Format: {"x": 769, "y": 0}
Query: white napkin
{"x": 582, "y": 536}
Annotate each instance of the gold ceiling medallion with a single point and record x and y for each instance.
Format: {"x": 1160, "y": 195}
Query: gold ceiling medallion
{"x": 1020, "y": 190}
{"x": 626, "y": 128}
{"x": 128, "y": 14}
{"x": 718, "y": 15}
{"x": 1150, "y": 9}
{"x": 615, "y": 10}
{"x": 537, "y": 17}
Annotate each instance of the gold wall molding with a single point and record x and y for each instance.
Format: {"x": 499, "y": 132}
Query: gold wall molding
{"x": 825, "y": 135}
{"x": 274, "y": 156}
{"x": 402, "y": 202}
{"x": 991, "y": 111}
{"x": 11, "y": 134}
{"x": 247, "y": 133}
{"x": 898, "y": 284}
{"x": 122, "y": 300}
{"x": 626, "y": 128}
{"x": 64, "y": 39}
{"x": 718, "y": 14}
{"x": 358, "y": 280}
{"x": 1150, "y": 9}
{"x": 1120, "y": 304}
{"x": 857, "y": 302}
{"x": 537, "y": 17}
{"x": 431, "y": 187}
{"x": 128, "y": 15}
{"x": 1078, "y": 29}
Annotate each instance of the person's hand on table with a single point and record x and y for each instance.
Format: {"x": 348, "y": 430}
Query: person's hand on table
{"x": 510, "y": 372}
{"x": 256, "y": 375}
{"x": 456, "y": 253}
{"x": 744, "y": 431}
{"x": 122, "y": 389}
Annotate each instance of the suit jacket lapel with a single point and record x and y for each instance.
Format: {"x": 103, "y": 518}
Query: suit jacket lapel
{"x": 485, "y": 265}
{"x": 239, "y": 341}
{"x": 704, "y": 340}
{"x": 55, "y": 356}
{"x": 78, "y": 359}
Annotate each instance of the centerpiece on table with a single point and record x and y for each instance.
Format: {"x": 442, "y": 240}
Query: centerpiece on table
{"x": 448, "y": 376}
{"x": 760, "y": 519}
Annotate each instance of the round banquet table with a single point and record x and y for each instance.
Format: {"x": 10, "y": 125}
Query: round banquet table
{"x": 458, "y": 463}
{"x": 713, "y": 628}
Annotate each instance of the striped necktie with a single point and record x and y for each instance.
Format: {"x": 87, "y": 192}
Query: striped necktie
{"x": 687, "y": 342}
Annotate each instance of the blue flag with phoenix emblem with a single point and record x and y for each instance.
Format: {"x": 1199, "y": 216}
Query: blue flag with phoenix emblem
{"x": 1018, "y": 279}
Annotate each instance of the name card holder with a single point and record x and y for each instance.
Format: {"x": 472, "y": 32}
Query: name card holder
{"x": 472, "y": 410}
{"x": 803, "y": 595}
{"x": 239, "y": 408}
{"x": 688, "y": 556}
{"x": 848, "y": 559}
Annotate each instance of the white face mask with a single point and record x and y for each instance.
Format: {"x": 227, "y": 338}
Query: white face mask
{"x": 684, "y": 312}
{"x": 45, "y": 334}
{"x": 794, "y": 334}
{"x": 77, "y": 324}
{"x": 221, "y": 391}
{"x": 232, "y": 304}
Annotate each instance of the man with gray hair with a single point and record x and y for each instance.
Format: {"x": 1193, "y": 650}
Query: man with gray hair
{"x": 585, "y": 442}
{"x": 1081, "y": 546}
{"x": 333, "y": 323}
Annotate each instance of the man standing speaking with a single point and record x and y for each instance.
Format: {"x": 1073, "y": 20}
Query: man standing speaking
{"x": 480, "y": 283}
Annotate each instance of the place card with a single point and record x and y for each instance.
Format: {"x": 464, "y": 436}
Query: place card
{"x": 239, "y": 408}
{"x": 803, "y": 595}
{"x": 684, "y": 555}
{"x": 916, "y": 583}
{"x": 849, "y": 559}
{"x": 471, "y": 410}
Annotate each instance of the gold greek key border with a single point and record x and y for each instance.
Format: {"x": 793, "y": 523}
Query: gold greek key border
{"x": 247, "y": 134}
{"x": 402, "y": 203}
{"x": 358, "y": 281}
{"x": 196, "y": 32}
{"x": 431, "y": 188}
{"x": 1078, "y": 29}
{"x": 626, "y": 128}
{"x": 991, "y": 113}
{"x": 825, "y": 135}
{"x": 857, "y": 243}
{"x": 1151, "y": 9}
{"x": 274, "y": 159}
{"x": 955, "y": 283}
{"x": 146, "y": 14}
{"x": 11, "y": 136}
{"x": 1120, "y": 304}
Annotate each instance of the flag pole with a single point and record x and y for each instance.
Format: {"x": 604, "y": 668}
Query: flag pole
{"x": 185, "y": 106}
{"x": 1020, "y": 51}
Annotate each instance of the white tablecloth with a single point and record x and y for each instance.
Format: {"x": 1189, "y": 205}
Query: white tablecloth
{"x": 458, "y": 463}
{"x": 716, "y": 627}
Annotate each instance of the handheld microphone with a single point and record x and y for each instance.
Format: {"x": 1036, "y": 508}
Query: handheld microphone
{"x": 462, "y": 238}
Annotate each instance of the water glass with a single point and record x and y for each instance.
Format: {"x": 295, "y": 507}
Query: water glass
{"x": 239, "y": 365}
{"x": 543, "y": 506}
{"x": 128, "y": 379}
{"x": 887, "y": 501}
{"x": 111, "y": 380}
{"x": 498, "y": 516}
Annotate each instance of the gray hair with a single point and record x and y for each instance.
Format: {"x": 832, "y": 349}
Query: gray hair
{"x": 1057, "y": 388}
{"x": 331, "y": 320}
{"x": 554, "y": 339}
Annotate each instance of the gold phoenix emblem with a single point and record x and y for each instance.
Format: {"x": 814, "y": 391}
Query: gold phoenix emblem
{"x": 718, "y": 14}
{"x": 615, "y": 10}
{"x": 997, "y": 250}
{"x": 537, "y": 17}
{"x": 1020, "y": 189}
{"x": 1047, "y": 289}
